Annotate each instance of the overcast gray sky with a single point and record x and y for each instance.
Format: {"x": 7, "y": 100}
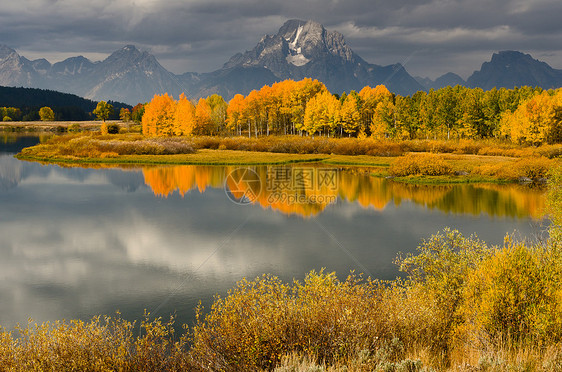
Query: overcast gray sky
{"x": 430, "y": 37}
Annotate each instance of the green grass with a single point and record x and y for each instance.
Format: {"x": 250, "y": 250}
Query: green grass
{"x": 451, "y": 179}
{"x": 201, "y": 157}
{"x": 359, "y": 160}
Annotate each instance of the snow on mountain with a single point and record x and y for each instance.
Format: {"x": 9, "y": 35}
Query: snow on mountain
{"x": 299, "y": 49}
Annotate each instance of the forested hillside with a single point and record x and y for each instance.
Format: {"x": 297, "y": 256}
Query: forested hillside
{"x": 66, "y": 106}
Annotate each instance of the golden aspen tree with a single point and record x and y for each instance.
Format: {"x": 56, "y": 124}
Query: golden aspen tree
{"x": 539, "y": 114}
{"x": 234, "y": 114}
{"x": 286, "y": 88}
{"x": 45, "y": 113}
{"x": 314, "y": 115}
{"x": 303, "y": 92}
{"x": 158, "y": 118}
{"x": 202, "y": 117}
{"x": 125, "y": 114}
{"x": 350, "y": 116}
{"x": 184, "y": 117}
{"x": 218, "y": 113}
{"x": 383, "y": 121}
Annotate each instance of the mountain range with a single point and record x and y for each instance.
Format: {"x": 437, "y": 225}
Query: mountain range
{"x": 506, "y": 69}
{"x": 300, "y": 49}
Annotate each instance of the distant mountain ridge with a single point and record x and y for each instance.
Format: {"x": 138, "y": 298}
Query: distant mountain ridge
{"x": 126, "y": 75}
{"x": 506, "y": 69}
{"x": 512, "y": 68}
{"x": 448, "y": 79}
{"x": 299, "y": 49}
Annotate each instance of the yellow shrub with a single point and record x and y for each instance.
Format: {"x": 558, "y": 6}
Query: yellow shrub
{"x": 103, "y": 344}
{"x": 420, "y": 164}
{"x": 110, "y": 154}
{"x": 533, "y": 168}
{"x": 514, "y": 297}
{"x": 263, "y": 320}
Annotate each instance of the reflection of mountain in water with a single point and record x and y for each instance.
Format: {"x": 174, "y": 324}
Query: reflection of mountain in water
{"x": 10, "y": 172}
{"x": 13, "y": 172}
{"x": 280, "y": 191}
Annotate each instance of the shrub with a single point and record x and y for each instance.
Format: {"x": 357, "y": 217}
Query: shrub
{"x": 420, "y": 164}
{"x": 103, "y": 344}
{"x": 109, "y": 128}
{"x": 513, "y": 297}
{"x": 532, "y": 168}
{"x": 436, "y": 279}
{"x": 261, "y": 321}
{"x": 74, "y": 128}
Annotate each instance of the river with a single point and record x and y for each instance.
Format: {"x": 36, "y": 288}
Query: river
{"x": 79, "y": 241}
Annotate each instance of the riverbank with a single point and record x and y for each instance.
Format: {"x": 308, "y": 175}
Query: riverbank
{"x": 461, "y": 161}
{"x": 55, "y": 126}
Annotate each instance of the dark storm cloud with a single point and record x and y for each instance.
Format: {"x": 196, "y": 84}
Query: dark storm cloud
{"x": 430, "y": 37}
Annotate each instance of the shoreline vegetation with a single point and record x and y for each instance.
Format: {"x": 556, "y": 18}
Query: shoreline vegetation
{"x": 490, "y": 309}
{"x": 414, "y": 161}
{"x": 22, "y": 127}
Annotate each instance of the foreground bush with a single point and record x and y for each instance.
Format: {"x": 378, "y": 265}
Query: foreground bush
{"x": 103, "y": 344}
{"x": 513, "y": 297}
{"x": 261, "y": 321}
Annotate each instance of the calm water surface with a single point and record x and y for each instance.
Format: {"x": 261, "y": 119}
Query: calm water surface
{"x": 76, "y": 242}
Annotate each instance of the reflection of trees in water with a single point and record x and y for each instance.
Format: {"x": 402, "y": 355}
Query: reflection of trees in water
{"x": 279, "y": 191}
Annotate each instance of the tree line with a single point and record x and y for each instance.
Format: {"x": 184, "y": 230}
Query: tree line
{"x": 24, "y": 105}
{"x": 306, "y": 107}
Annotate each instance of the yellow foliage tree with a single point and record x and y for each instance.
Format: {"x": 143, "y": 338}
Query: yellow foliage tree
{"x": 202, "y": 117}
{"x": 322, "y": 113}
{"x": 46, "y": 114}
{"x": 158, "y": 118}
{"x": 184, "y": 117}
{"x": 535, "y": 120}
{"x": 382, "y": 122}
{"x": 234, "y": 113}
{"x": 349, "y": 115}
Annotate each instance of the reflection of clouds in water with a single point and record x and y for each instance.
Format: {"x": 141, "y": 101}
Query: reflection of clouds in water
{"x": 75, "y": 242}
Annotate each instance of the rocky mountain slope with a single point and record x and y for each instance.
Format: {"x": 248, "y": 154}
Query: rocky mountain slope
{"x": 511, "y": 68}
{"x": 300, "y": 49}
